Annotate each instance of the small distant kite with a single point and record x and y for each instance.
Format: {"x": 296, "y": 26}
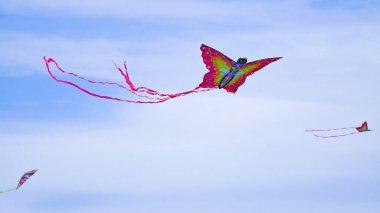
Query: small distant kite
{"x": 23, "y": 179}
{"x": 362, "y": 128}
{"x": 224, "y": 73}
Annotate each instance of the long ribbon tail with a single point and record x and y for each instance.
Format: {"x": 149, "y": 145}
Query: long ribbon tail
{"x": 334, "y": 136}
{"x": 154, "y": 92}
{"x": 8, "y": 190}
{"x": 50, "y": 60}
{"x": 328, "y": 130}
{"x": 160, "y": 99}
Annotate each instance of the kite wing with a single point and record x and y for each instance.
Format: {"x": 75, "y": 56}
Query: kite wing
{"x": 247, "y": 70}
{"x": 363, "y": 127}
{"x": 217, "y": 64}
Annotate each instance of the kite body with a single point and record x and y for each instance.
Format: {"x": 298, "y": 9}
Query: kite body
{"x": 232, "y": 73}
{"x": 23, "y": 179}
{"x": 360, "y": 129}
{"x": 363, "y": 127}
{"x": 224, "y": 73}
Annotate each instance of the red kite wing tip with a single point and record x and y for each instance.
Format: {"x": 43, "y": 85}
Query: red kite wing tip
{"x": 203, "y": 45}
{"x": 274, "y": 59}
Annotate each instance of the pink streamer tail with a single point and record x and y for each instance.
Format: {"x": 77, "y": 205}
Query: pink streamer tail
{"x": 330, "y": 130}
{"x": 334, "y": 136}
{"x": 326, "y": 130}
{"x": 143, "y": 92}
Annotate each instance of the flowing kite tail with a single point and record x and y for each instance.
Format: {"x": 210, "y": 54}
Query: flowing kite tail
{"x": 328, "y": 130}
{"x": 47, "y": 61}
{"x": 331, "y": 130}
{"x": 50, "y": 60}
{"x": 154, "y": 92}
{"x": 334, "y": 136}
{"x": 137, "y": 91}
{"x": 8, "y": 190}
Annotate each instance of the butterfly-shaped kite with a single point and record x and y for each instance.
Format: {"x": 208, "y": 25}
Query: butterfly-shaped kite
{"x": 224, "y": 73}
{"x": 23, "y": 179}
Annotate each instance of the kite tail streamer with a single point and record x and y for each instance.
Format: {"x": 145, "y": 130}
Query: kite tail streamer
{"x": 334, "y": 130}
{"x": 154, "y": 92}
{"x": 3, "y": 191}
{"x": 334, "y": 136}
{"x": 50, "y": 60}
{"x": 328, "y": 130}
{"x": 137, "y": 91}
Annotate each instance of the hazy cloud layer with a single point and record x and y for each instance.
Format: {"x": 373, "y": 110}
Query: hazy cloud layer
{"x": 210, "y": 152}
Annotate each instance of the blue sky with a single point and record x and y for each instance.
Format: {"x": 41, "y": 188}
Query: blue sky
{"x": 209, "y": 152}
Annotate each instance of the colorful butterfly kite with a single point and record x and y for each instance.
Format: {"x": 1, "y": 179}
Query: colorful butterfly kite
{"x": 23, "y": 179}
{"x": 224, "y": 73}
{"x": 362, "y": 128}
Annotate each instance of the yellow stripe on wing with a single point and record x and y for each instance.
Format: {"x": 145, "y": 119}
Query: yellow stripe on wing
{"x": 221, "y": 67}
